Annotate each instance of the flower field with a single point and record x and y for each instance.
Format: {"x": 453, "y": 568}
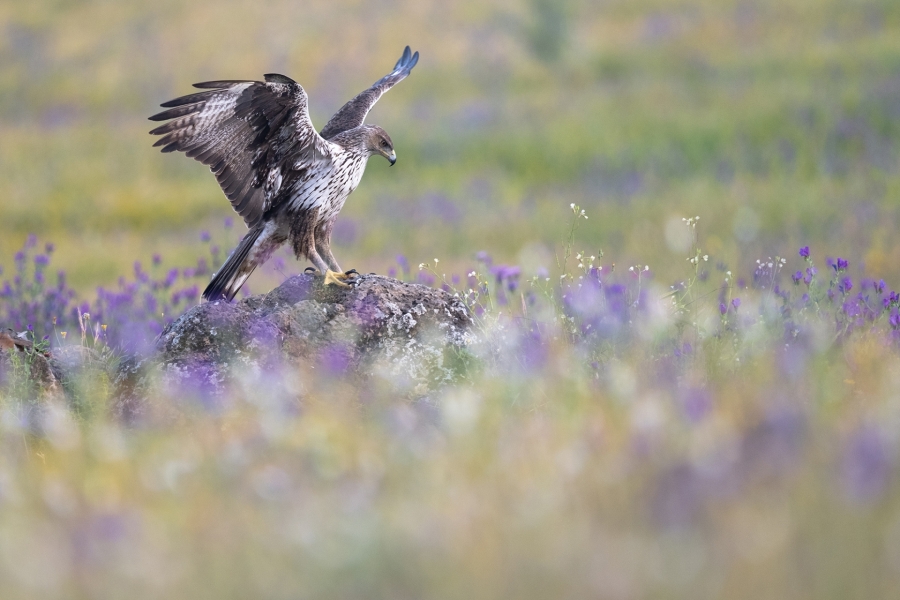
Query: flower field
{"x": 674, "y": 224}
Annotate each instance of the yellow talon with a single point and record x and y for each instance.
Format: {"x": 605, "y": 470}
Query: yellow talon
{"x": 335, "y": 278}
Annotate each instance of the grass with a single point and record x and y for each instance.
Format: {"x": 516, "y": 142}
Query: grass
{"x": 672, "y": 451}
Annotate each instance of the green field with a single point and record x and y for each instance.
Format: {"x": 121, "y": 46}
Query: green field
{"x": 697, "y": 455}
{"x": 778, "y": 122}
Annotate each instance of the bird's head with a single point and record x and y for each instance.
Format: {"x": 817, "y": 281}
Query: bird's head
{"x": 379, "y": 142}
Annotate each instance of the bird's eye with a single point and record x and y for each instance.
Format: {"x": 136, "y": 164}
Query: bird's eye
{"x": 384, "y": 144}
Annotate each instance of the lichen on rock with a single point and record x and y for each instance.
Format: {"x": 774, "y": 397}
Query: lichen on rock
{"x": 380, "y": 327}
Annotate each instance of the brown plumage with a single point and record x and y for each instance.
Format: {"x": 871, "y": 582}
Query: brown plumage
{"x": 287, "y": 182}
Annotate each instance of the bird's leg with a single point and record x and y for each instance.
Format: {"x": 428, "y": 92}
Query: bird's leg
{"x": 304, "y": 236}
{"x": 334, "y": 274}
{"x": 331, "y": 277}
{"x": 321, "y": 268}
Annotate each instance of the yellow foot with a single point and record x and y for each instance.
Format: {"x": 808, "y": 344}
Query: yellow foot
{"x": 339, "y": 279}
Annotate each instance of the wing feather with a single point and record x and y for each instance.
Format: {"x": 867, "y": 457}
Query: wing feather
{"x": 223, "y": 84}
{"x": 242, "y": 130}
{"x": 354, "y": 112}
{"x": 182, "y": 100}
{"x": 172, "y": 113}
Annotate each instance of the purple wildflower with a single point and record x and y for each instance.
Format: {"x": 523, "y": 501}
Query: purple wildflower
{"x": 507, "y": 274}
{"x": 171, "y": 277}
{"x": 810, "y": 274}
{"x": 204, "y": 236}
{"x": 736, "y": 303}
{"x": 804, "y": 251}
{"x": 139, "y": 273}
{"x": 685, "y": 350}
{"x": 851, "y": 308}
{"x": 797, "y": 277}
{"x": 845, "y": 285}
{"x": 403, "y": 262}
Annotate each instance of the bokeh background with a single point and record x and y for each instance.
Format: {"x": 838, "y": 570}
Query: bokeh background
{"x": 778, "y": 123}
{"x": 689, "y": 446}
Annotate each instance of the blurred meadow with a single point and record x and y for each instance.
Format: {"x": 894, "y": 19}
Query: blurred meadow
{"x": 742, "y": 450}
{"x": 777, "y": 122}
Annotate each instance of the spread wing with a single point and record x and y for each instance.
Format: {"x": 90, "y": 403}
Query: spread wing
{"x": 354, "y": 112}
{"x": 249, "y": 133}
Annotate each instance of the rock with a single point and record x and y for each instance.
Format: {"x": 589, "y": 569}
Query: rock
{"x": 30, "y": 369}
{"x": 50, "y": 386}
{"x": 381, "y": 326}
{"x": 71, "y": 361}
{"x": 51, "y": 374}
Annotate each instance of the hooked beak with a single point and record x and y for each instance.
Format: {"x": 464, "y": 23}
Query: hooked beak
{"x": 392, "y": 158}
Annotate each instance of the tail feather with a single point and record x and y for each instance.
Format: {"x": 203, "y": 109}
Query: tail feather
{"x": 228, "y": 280}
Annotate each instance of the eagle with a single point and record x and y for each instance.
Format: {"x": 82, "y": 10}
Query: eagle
{"x": 287, "y": 181}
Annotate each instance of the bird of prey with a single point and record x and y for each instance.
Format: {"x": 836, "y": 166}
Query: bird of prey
{"x": 287, "y": 182}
